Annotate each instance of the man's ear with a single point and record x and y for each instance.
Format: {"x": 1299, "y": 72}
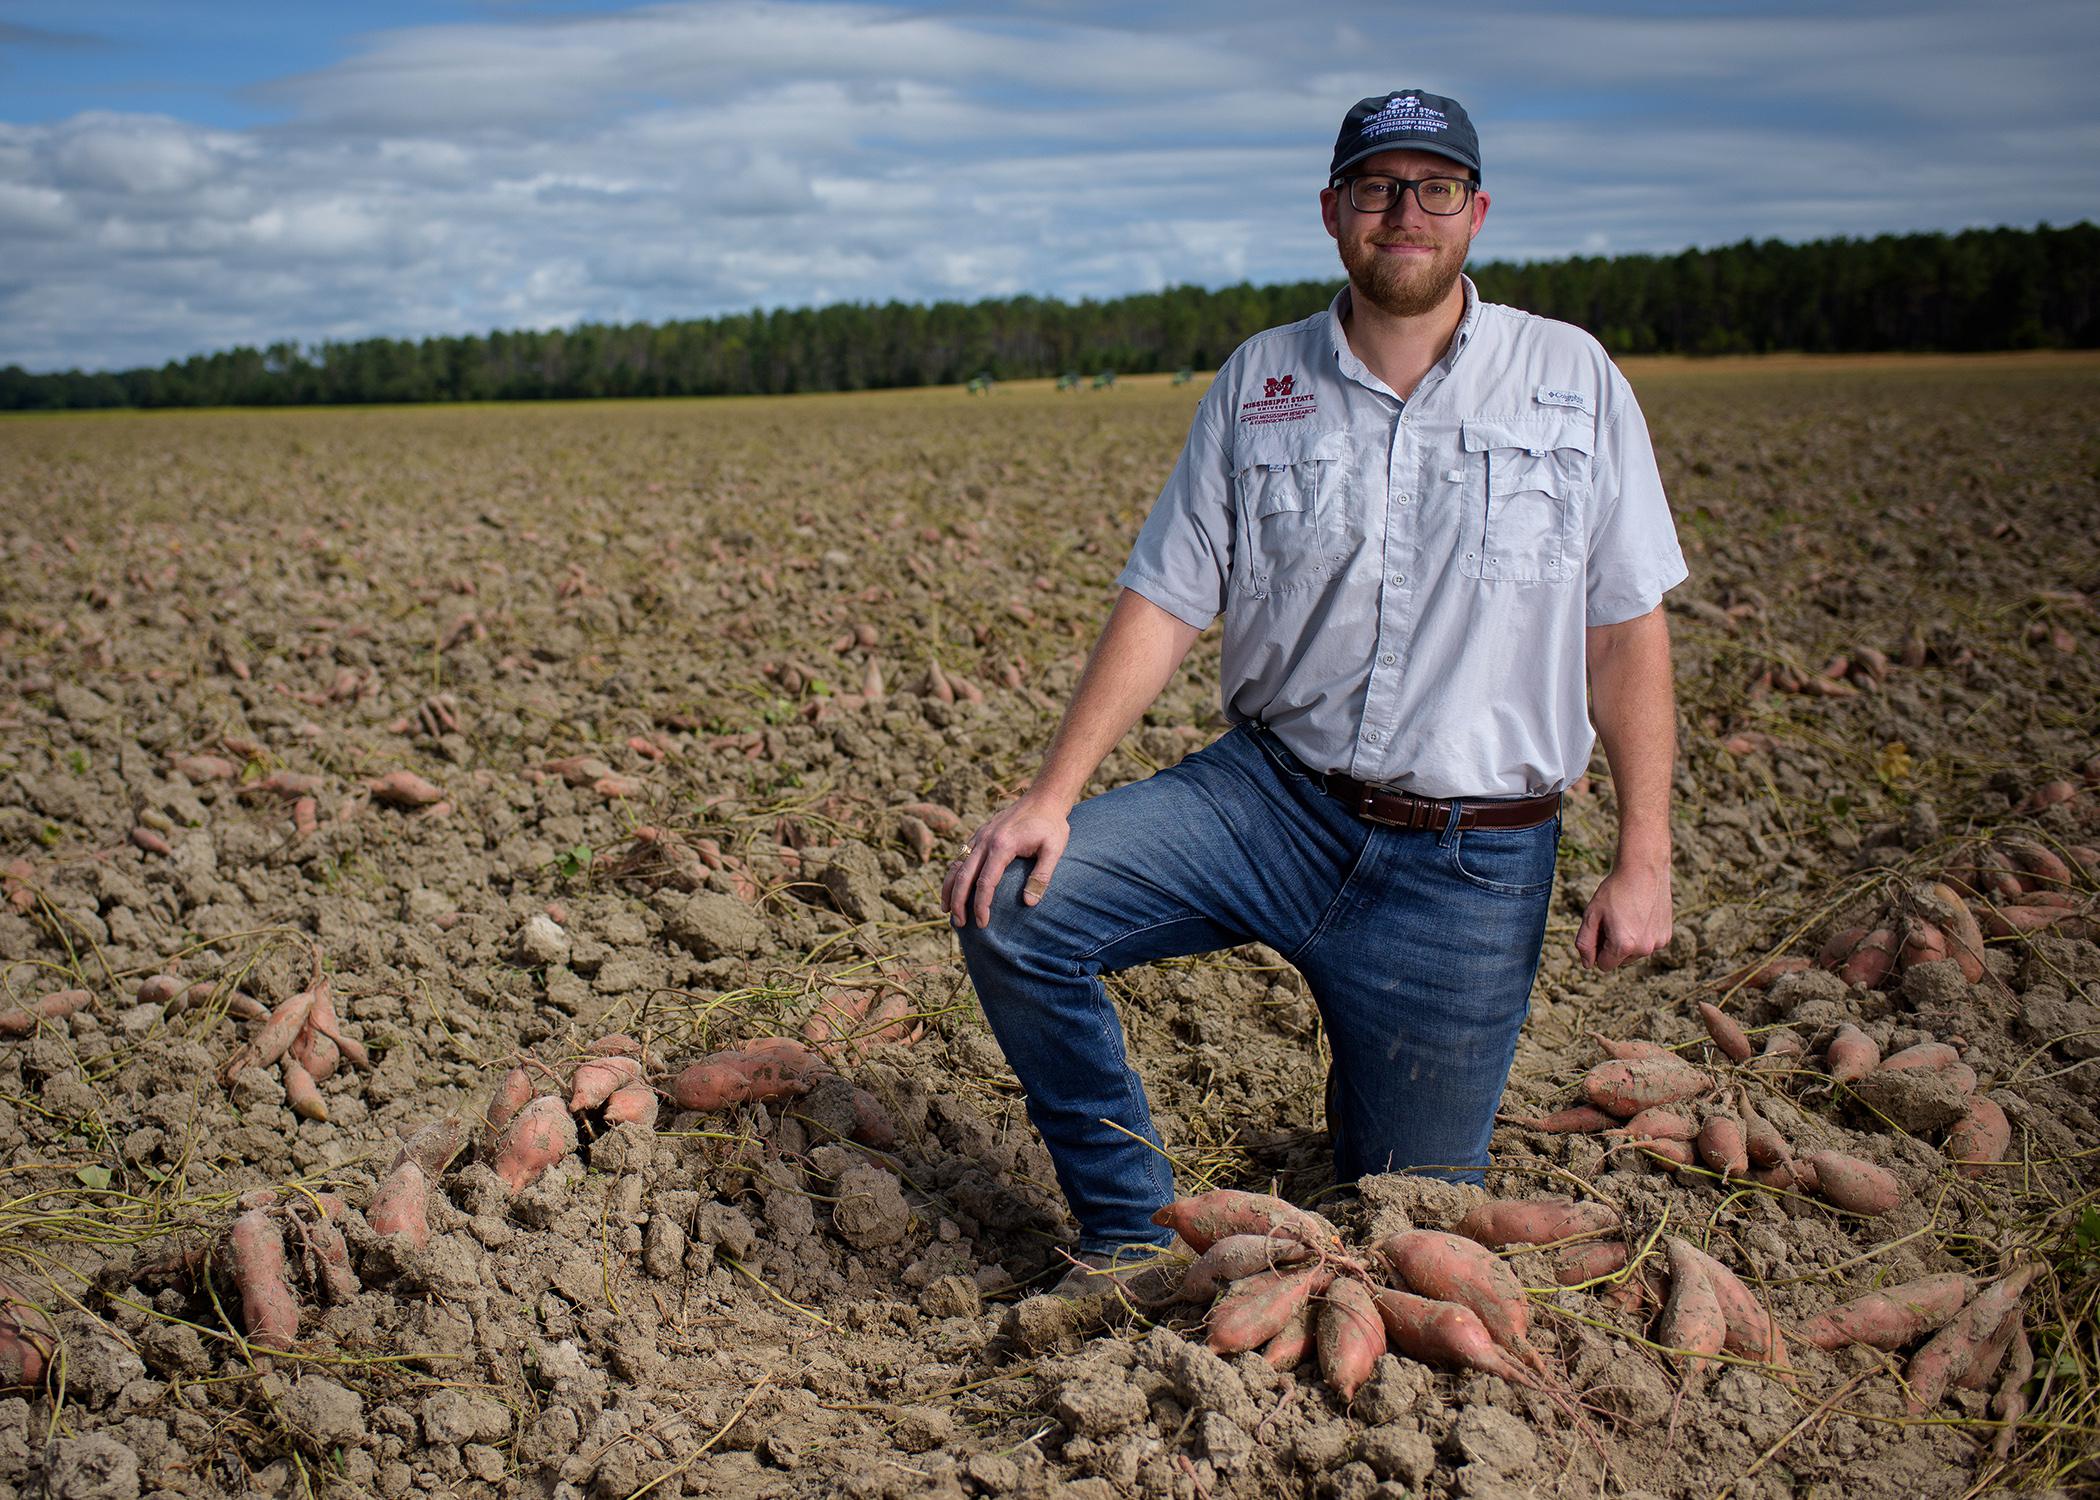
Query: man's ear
{"x": 1331, "y": 212}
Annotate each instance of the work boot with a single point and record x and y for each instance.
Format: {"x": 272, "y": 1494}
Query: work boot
{"x": 1139, "y": 1277}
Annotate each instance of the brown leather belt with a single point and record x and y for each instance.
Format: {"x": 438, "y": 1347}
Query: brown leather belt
{"x": 1404, "y": 810}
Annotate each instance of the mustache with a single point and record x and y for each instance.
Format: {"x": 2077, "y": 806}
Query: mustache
{"x": 1403, "y": 240}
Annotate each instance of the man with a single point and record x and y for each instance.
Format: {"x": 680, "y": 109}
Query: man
{"x": 1426, "y": 520}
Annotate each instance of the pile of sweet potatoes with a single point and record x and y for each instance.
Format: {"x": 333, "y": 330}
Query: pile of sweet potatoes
{"x": 304, "y": 1038}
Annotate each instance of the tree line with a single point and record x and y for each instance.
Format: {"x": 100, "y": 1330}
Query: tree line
{"x": 1983, "y": 289}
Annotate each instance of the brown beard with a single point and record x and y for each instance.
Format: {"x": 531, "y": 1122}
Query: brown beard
{"x": 1400, "y": 289}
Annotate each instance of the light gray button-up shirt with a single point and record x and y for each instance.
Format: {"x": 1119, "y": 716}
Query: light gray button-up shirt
{"x": 1405, "y": 586}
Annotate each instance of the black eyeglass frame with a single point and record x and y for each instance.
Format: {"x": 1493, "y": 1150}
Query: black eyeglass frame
{"x": 1346, "y": 186}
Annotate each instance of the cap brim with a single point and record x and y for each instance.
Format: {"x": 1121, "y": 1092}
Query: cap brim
{"x": 1371, "y": 151}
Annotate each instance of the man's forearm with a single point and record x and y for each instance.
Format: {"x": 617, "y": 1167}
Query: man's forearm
{"x": 1139, "y": 650}
{"x": 1634, "y": 705}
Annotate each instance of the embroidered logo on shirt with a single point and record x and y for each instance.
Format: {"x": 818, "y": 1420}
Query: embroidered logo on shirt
{"x": 1279, "y": 401}
{"x": 1547, "y": 396}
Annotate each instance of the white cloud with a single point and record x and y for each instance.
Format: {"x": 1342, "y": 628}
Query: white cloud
{"x": 687, "y": 159}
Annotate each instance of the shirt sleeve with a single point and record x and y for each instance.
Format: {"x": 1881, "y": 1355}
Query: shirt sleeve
{"x": 1183, "y": 554}
{"x": 1633, "y": 557}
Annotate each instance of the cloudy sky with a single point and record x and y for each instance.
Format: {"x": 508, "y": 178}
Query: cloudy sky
{"x": 185, "y": 175}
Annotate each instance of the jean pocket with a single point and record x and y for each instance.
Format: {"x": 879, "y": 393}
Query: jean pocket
{"x": 1287, "y": 491}
{"x": 1287, "y": 765}
{"x": 1527, "y": 488}
{"x": 1508, "y": 861}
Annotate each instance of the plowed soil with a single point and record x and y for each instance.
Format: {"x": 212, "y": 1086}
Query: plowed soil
{"x": 709, "y": 694}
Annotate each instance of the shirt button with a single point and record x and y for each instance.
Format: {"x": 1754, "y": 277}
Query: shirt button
{"x": 1399, "y": 578}
{"x": 1403, "y": 499}
{"x": 1388, "y": 658}
{"x": 1371, "y": 736}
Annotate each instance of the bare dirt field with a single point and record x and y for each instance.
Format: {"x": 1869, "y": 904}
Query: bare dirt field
{"x": 518, "y": 754}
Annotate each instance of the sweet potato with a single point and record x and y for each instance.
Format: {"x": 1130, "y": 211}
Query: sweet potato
{"x": 27, "y": 1340}
{"x": 1752, "y": 1330}
{"x": 1943, "y": 905}
{"x": 507, "y": 1098}
{"x": 1660, "y": 1124}
{"x": 2040, "y": 867}
{"x": 1888, "y": 1318}
{"x": 1692, "y": 1319}
{"x": 1855, "y": 1185}
{"x": 1668, "y": 1154}
{"x": 276, "y": 1036}
{"x": 872, "y": 1125}
{"x": 401, "y": 1205}
{"x": 2019, "y": 921}
{"x": 1870, "y": 963}
{"x": 1983, "y": 1369}
{"x": 269, "y": 1311}
{"x": 1581, "y": 1119}
{"x": 159, "y": 989}
{"x": 404, "y": 789}
{"x": 757, "y": 1073}
{"x": 1727, "y": 1035}
{"x": 1534, "y": 1221}
{"x": 1575, "y": 1264}
{"x": 1948, "y": 1354}
{"x": 1763, "y": 976}
{"x": 150, "y": 841}
{"x": 1841, "y": 946}
{"x": 1576, "y": 1120}
{"x": 1981, "y": 1138}
{"x": 338, "y": 1283}
{"x": 1235, "y": 1257}
{"x": 1627, "y": 1088}
{"x": 1792, "y": 1176}
{"x": 2010, "y": 1402}
{"x": 1923, "y": 943}
{"x": 1445, "y": 1333}
{"x": 21, "y": 1020}
{"x": 1206, "y": 1218}
{"x": 540, "y": 1135}
{"x": 1632, "y": 1051}
{"x": 1721, "y": 1145}
{"x": 1287, "y": 1350}
{"x": 1350, "y": 1336}
{"x": 1452, "y": 1268}
{"x": 634, "y": 1104}
{"x": 325, "y": 1021}
{"x": 1761, "y": 1139}
{"x": 595, "y": 1081}
{"x": 1932, "y": 1055}
{"x": 313, "y": 1051}
{"x": 1256, "y": 1309}
{"x": 433, "y": 1146}
{"x": 301, "y": 1092}
{"x": 1851, "y": 1055}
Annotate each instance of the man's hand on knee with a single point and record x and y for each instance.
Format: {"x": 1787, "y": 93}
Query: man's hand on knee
{"x": 1027, "y": 830}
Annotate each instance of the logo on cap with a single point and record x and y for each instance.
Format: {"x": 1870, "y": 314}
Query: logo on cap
{"x": 1406, "y": 112}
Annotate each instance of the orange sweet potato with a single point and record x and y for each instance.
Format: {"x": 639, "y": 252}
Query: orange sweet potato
{"x": 1890, "y": 1317}
{"x": 2039, "y": 865}
{"x": 1841, "y": 946}
{"x": 1721, "y": 1145}
{"x": 759, "y": 1072}
{"x": 301, "y": 1092}
{"x": 1727, "y": 1035}
{"x": 634, "y": 1104}
{"x": 21, "y": 1020}
{"x": 1206, "y": 1218}
{"x": 1948, "y": 1354}
{"x": 313, "y": 1051}
{"x": 1981, "y": 1139}
{"x": 1534, "y": 1221}
{"x": 1943, "y": 905}
{"x": 404, "y": 789}
{"x": 1452, "y": 1268}
{"x": 1256, "y": 1309}
{"x": 1870, "y": 963}
{"x": 269, "y": 1311}
{"x": 1287, "y": 1350}
{"x": 1932, "y": 1055}
{"x": 402, "y": 1205}
{"x": 433, "y": 1146}
{"x": 538, "y": 1136}
{"x": 1350, "y": 1336}
{"x": 1631, "y": 1051}
{"x": 1445, "y": 1333}
{"x": 1660, "y": 1124}
{"x": 27, "y": 1340}
{"x": 1761, "y": 1139}
{"x": 324, "y": 1021}
{"x": 1235, "y": 1257}
{"x": 1793, "y": 1176}
{"x": 1752, "y": 1330}
{"x": 1575, "y": 1264}
{"x": 1581, "y": 1119}
{"x": 1856, "y": 1185}
{"x": 872, "y": 1125}
{"x": 595, "y": 1081}
{"x": 1851, "y": 1055}
{"x": 1692, "y": 1319}
{"x": 1627, "y": 1088}
{"x": 507, "y": 1098}
{"x": 276, "y": 1036}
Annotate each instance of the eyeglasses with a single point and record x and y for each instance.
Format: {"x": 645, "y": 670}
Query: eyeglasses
{"x": 1441, "y": 196}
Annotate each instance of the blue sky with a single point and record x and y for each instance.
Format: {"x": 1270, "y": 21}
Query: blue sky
{"x": 179, "y": 176}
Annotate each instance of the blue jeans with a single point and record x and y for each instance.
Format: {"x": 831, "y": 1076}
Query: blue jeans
{"x": 1420, "y": 947}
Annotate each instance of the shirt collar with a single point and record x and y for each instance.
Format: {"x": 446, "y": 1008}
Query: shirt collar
{"x": 1354, "y": 368}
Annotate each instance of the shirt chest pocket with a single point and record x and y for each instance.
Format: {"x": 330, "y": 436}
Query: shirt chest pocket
{"x": 1527, "y": 489}
{"x": 1288, "y": 499}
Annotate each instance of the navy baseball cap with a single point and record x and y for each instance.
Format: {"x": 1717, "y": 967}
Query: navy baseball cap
{"x": 1406, "y": 120}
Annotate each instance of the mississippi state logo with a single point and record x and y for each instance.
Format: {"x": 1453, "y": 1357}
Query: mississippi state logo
{"x": 1275, "y": 386}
